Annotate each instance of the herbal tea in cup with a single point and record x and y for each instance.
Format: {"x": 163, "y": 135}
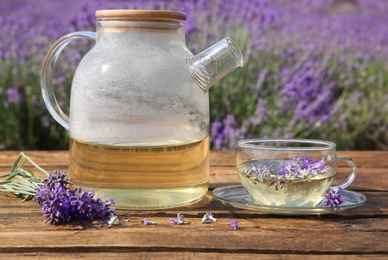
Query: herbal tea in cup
{"x": 289, "y": 172}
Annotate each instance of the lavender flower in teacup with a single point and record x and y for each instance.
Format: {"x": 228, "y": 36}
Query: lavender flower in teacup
{"x": 260, "y": 173}
{"x": 300, "y": 168}
{"x": 287, "y": 172}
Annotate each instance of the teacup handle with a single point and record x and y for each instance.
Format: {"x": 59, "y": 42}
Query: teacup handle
{"x": 47, "y": 74}
{"x": 352, "y": 174}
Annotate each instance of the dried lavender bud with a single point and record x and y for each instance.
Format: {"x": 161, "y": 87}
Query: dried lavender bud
{"x": 180, "y": 221}
{"x": 113, "y": 221}
{"x": 148, "y": 222}
{"x": 208, "y": 218}
{"x": 235, "y": 225}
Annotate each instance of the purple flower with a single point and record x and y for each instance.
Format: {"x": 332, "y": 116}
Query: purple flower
{"x": 13, "y": 95}
{"x": 60, "y": 203}
{"x": 261, "y": 112}
{"x": 308, "y": 91}
{"x": 333, "y": 198}
{"x": 302, "y": 167}
{"x": 299, "y": 169}
{"x": 287, "y": 169}
{"x": 173, "y": 221}
{"x": 147, "y": 222}
{"x": 235, "y": 225}
{"x": 208, "y": 218}
{"x": 304, "y": 62}
{"x": 225, "y": 134}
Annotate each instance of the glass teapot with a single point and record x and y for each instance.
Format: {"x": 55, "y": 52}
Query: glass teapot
{"x": 139, "y": 109}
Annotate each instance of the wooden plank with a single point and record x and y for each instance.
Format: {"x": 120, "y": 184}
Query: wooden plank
{"x": 49, "y": 169}
{"x": 59, "y": 159}
{"x": 358, "y": 233}
{"x": 222, "y": 158}
{"x": 12, "y": 210}
{"x": 254, "y": 236}
{"x": 368, "y": 178}
{"x": 148, "y": 254}
{"x": 22, "y": 222}
{"x": 363, "y": 159}
{"x": 42, "y": 158}
{"x": 368, "y": 159}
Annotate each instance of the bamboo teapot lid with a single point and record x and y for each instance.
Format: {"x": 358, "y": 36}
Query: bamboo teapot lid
{"x": 150, "y": 15}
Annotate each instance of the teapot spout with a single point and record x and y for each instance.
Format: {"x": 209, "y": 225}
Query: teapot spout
{"x": 212, "y": 64}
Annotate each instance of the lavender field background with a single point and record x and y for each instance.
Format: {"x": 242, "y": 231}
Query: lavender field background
{"x": 313, "y": 69}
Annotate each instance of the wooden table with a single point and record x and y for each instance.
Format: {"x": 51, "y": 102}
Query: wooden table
{"x": 362, "y": 232}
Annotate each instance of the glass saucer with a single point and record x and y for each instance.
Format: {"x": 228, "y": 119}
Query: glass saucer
{"x": 237, "y": 197}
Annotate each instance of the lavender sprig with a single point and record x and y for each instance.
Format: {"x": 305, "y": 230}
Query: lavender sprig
{"x": 59, "y": 203}
{"x": 333, "y": 198}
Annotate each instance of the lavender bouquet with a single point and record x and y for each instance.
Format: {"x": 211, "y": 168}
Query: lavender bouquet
{"x": 60, "y": 203}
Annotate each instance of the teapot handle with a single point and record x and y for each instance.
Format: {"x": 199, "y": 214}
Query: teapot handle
{"x": 47, "y": 74}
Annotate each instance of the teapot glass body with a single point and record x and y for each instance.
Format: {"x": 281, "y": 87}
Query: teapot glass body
{"x": 139, "y": 120}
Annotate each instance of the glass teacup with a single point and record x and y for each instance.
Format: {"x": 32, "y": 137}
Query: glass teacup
{"x": 289, "y": 172}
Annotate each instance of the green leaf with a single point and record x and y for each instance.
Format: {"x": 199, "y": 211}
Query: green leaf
{"x": 32, "y": 174}
{"x": 34, "y": 164}
{"x": 22, "y": 163}
{"x": 25, "y": 183}
{"x": 27, "y": 197}
{"x": 10, "y": 189}
{"x": 16, "y": 162}
{"x": 12, "y": 175}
